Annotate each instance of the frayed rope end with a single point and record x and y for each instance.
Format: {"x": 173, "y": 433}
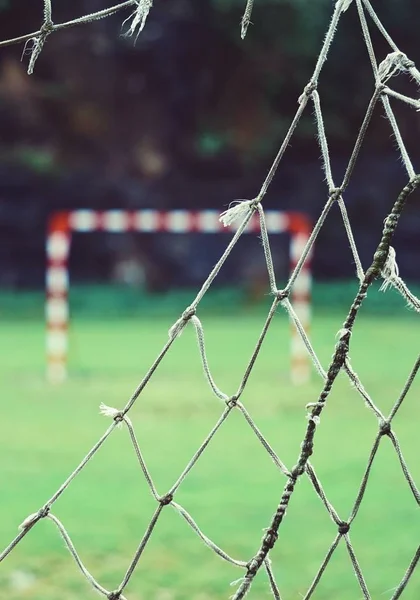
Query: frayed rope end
{"x": 237, "y": 210}
{"x": 112, "y": 413}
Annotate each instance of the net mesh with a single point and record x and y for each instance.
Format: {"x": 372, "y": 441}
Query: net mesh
{"x": 383, "y": 265}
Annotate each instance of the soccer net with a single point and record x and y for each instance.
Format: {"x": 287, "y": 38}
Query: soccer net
{"x": 383, "y": 265}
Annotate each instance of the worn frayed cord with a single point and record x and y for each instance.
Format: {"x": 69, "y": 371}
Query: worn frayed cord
{"x": 390, "y": 273}
{"x": 394, "y": 63}
{"x": 138, "y": 18}
{"x": 246, "y": 19}
{"x": 344, "y": 4}
{"x": 239, "y": 209}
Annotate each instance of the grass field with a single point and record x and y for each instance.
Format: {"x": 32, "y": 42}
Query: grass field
{"x": 233, "y": 489}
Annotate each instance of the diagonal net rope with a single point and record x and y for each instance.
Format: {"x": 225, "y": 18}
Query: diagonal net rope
{"x": 383, "y": 265}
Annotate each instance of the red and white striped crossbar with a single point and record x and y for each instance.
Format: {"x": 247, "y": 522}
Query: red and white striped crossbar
{"x": 63, "y": 224}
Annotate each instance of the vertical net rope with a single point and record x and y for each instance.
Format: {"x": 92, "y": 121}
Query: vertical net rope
{"x": 383, "y": 266}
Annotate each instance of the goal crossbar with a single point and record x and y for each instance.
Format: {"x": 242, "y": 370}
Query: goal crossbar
{"x": 62, "y": 225}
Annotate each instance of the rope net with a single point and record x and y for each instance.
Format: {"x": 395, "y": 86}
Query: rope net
{"x": 383, "y": 265}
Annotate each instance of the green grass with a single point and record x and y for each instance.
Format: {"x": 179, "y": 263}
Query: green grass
{"x": 234, "y": 488}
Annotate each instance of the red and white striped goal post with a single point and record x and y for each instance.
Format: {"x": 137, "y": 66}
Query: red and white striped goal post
{"x": 62, "y": 225}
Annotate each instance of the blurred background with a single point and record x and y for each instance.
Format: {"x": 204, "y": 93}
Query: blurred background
{"x": 191, "y": 117}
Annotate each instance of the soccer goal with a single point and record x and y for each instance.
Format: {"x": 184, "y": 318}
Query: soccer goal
{"x": 63, "y": 225}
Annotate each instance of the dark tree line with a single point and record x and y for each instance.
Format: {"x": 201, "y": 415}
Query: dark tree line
{"x": 190, "y": 116}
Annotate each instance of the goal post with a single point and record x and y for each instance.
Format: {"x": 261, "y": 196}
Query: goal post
{"x": 62, "y": 225}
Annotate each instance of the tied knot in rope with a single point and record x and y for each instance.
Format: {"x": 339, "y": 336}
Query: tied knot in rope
{"x": 282, "y": 295}
{"x": 237, "y": 210}
{"x": 113, "y": 413}
{"x": 308, "y": 91}
{"x": 343, "y": 528}
{"x": 232, "y": 402}
{"x": 34, "y": 518}
{"x": 178, "y": 326}
{"x": 384, "y": 427}
{"x": 393, "y": 64}
{"x": 335, "y": 193}
{"x": 37, "y": 44}
{"x": 165, "y": 500}
{"x": 114, "y": 596}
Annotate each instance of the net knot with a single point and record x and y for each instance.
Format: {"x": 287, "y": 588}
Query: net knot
{"x": 384, "y": 427}
{"x": 38, "y": 44}
{"x": 282, "y": 295}
{"x": 335, "y": 192}
{"x": 188, "y": 313}
{"x": 308, "y": 91}
{"x": 232, "y": 401}
{"x": 114, "y": 595}
{"x": 179, "y": 325}
{"x": 47, "y": 28}
{"x": 238, "y": 209}
{"x": 113, "y": 413}
{"x": 343, "y": 528}
{"x": 165, "y": 500}
{"x": 34, "y": 518}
